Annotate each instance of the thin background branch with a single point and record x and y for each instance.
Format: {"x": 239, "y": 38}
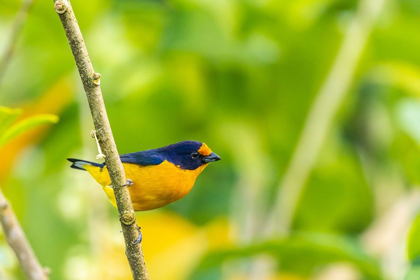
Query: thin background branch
{"x": 91, "y": 84}
{"x": 16, "y": 238}
{"x": 13, "y": 232}
{"x": 14, "y": 35}
{"x": 322, "y": 114}
{"x": 317, "y": 125}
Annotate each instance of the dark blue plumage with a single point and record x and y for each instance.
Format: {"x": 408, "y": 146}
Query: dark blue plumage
{"x": 183, "y": 154}
{"x": 178, "y": 154}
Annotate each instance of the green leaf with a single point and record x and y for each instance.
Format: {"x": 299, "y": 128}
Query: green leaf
{"x": 7, "y": 117}
{"x": 25, "y": 125}
{"x": 299, "y": 254}
{"x": 413, "y": 244}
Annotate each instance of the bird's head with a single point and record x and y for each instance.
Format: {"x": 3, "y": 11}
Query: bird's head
{"x": 189, "y": 154}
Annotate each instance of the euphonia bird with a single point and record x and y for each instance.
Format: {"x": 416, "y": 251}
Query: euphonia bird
{"x": 157, "y": 177}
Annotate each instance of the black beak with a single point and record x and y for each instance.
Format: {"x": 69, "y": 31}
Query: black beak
{"x": 212, "y": 157}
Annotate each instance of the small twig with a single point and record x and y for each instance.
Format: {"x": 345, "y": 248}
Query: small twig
{"x": 17, "y": 240}
{"x": 321, "y": 115}
{"x": 14, "y": 35}
{"x": 91, "y": 84}
{"x": 100, "y": 155}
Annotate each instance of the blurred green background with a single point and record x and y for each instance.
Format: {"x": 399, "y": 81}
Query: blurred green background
{"x": 245, "y": 77}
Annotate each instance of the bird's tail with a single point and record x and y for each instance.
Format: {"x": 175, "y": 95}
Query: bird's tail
{"x": 78, "y": 163}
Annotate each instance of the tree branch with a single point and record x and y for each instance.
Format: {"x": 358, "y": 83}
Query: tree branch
{"x": 321, "y": 115}
{"x": 91, "y": 84}
{"x": 17, "y": 241}
{"x": 14, "y": 35}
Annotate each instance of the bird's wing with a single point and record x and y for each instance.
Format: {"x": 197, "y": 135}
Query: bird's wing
{"x": 142, "y": 158}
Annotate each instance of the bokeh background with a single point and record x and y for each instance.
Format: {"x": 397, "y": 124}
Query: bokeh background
{"x": 313, "y": 106}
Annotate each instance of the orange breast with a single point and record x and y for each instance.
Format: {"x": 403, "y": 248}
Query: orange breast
{"x": 153, "y": 186}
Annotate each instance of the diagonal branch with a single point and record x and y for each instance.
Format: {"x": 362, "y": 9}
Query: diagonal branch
{"x": 91, "y": 84}
{"x": 322, "y": 114}
{"x": 14, "y": 35}
{"x": 17, "y": 240}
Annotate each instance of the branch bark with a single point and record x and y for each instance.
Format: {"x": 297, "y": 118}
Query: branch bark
{"x": 91, "y": 84}
{"x": 16, "y": 239}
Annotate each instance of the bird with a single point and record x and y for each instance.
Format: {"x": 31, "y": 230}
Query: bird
{"x": 155, "y": 177}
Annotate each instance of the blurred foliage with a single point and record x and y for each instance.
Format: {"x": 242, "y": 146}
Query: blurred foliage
{"x": 240, "y": 76}
{"x": 9, "y": 131}
{"x": 414, "y": 272}
{"x": 413, "y": 240}
{"x": 298, "y": 254}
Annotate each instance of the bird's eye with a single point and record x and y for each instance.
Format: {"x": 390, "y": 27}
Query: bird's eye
{"x": 194, "y": 155}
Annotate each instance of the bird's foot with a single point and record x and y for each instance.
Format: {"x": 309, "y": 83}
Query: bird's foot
{"x": 140, "y": 238}
{"x": 129, "y": 183}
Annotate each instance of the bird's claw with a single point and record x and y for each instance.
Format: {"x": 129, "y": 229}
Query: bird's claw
{"x": 129, "y": 183}
{"x": 140, "y": 238}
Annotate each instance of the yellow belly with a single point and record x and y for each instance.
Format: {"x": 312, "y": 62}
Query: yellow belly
{"x": 153, "y": 186}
